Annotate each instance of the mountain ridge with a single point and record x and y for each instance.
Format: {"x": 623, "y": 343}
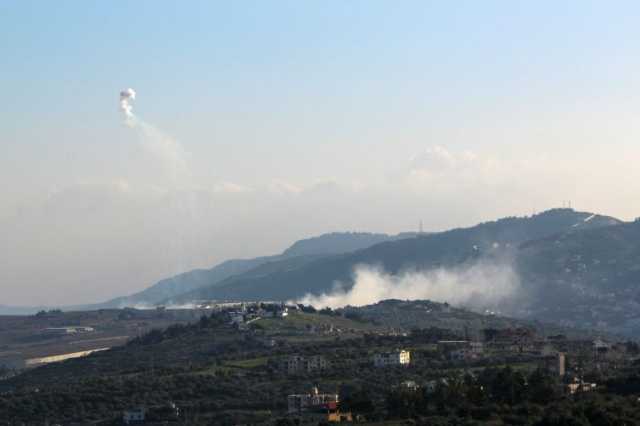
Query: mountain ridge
{"x": 445, "y": 248}
{"x": 300, "y": 251}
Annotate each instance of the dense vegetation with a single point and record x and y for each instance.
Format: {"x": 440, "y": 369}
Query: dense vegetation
{"x": 217, "y": 374}
{"x": 507, "y": 396}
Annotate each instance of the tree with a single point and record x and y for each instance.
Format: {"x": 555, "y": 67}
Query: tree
{"x": 542, "y": 387}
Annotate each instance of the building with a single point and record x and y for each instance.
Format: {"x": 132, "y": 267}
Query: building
{"x": 293, "y": 364}
{"x": 556, "y": 365}
{"x": 300, "y": 364}
{"x": 335, "y": 416}
{"x": 409, "y": 385}
{"x": 600, "y": 348}
{"x": 477, "y": 348}
{"x": 461, "y": 350}
{"x": 312, "y": 402}
{"x": 62, "y": 331}
{"x": 578, "y": 386}
{"x": 134, "y": 415}
{"x": 316, "y": 362}
{"x": 386, "y": 359}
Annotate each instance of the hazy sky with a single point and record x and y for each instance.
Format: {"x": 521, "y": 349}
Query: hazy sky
{"x": 269, "y": 121}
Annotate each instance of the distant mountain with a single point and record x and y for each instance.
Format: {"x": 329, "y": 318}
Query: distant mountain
{"x": 339, "y": 242}
{"x": 298, "y": 255}
{"x": 423, "y": 252}
{"x": 187, "y": 281}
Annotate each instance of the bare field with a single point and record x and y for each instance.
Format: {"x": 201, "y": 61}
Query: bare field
{"x": 23, "y": 338}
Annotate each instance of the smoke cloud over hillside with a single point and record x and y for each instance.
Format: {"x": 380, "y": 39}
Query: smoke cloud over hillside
{"x": 482, "y": 285}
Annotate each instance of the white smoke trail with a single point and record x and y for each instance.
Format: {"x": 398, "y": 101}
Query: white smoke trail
{"x": 126, "y": 96}
{"x": 166, "y": 151}
{"x": 170, "y": 172}
{"x": 479, "y": 286}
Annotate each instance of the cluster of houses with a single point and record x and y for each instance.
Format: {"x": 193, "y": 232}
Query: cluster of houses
{"x": 524, "y": 342}
{"x": 243, "y": 314}
{"x": 550, "y": 353}
{"x": 399, "y": 357}
{"x": 551, "y": 356}
{"x": 296, "y": 364}
{"x": 460, "y": 350}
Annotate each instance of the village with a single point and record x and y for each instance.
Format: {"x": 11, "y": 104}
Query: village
{"x": 417, "y": 363}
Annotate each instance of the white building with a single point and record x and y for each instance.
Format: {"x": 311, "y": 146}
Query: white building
{"x": 304, "y": 402}
{"x": 398, "y": 357}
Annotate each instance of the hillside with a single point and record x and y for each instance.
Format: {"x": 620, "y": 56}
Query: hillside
{"x": 422, "y": 314}
{"x": 295, "y": 256}
{"x": 422, "y": 252}
{"x": 186, "y": 282}
{"x": 339, "y": 242}
{"x": 214, "y": 371}
{"x": 589, "y": 278}
{"x": 211, "y": 340}
{"x": 30, "y": 337}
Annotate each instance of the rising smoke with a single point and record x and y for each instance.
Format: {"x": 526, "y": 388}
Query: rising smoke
{"x": 480, "y": 286}
{"x": 165, "y": 150}
{"x": 126, "y": 96}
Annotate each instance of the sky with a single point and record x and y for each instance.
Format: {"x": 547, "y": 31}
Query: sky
{"x": 261, "y": 123}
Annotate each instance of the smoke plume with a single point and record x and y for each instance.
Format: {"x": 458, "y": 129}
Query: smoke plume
{"x": 480, "y": 286}
{"x": 126, "y": 96}
{"x": 167, "y": 153}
